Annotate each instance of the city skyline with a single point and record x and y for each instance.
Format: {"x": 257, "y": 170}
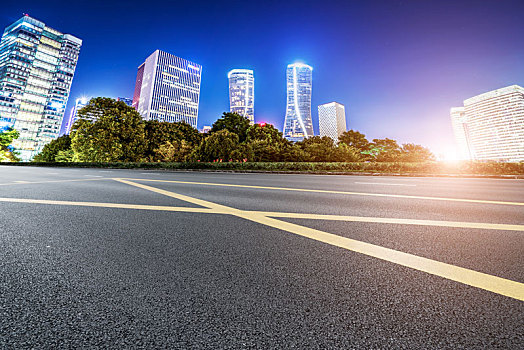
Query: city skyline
{"x": 400, "y": 66}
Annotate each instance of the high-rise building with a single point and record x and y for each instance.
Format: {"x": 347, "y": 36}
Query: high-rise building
{"x": 331, "y": 120}
{"x": 73, "y": 117}
{"x": 492, "y": 125}
{"x": 460, "y": 129}
{"x": 168, "y": 89}
{"x": 298, "y": 124}
{"x": 127, "y": 101}
{"x": 242, "y": 93}
{"x": 37, "y": 65}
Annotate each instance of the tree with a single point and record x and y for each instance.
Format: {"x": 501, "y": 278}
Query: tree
{"x": 415, "y": 153}
{"x": 174, "y": 151}
{"x": 319, "y": 148}
{"x": 218, "y": 145}
{"x": 165, "y": 133}
{"x": 354, "y": 139}
{"x": 264, "y": 132}
{"x": 345, "y": 153}
{"x": 117, "y": 135}
{"x": 385, "y": 150}
{"x": 6, "y": 151}
{"x": 232, "y": 122}
{"x": 51, "y": 150}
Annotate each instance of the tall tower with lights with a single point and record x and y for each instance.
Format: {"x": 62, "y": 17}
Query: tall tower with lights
{"x": 37, "y": 65}
{"x": 242, "y": 93}
{"x": 298, "y": 124}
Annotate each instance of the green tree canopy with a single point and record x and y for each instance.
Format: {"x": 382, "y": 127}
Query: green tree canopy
{"x": 385, "y": 150}
{"x": 355, "y": 139}
{"x": 234, "y": 123}
{"x": 6, "y": 152}
{"x": 264, "y": 132}
{"x": 161, "y": 133}
{"x": 319, "y": 148}
{"x": 117, "y": 134}
{"x": 415, "y": 153}
{"x": 219, "y": 145}
{"x": 51, "y": 150}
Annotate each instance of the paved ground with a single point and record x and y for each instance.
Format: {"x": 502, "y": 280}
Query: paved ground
{"x": 134, "y": 259}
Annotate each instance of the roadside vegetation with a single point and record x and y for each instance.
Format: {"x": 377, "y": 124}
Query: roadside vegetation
{"x": 121, "y": 138}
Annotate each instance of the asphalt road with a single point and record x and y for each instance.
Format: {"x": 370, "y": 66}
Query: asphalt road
{"x": 93, "y": 258}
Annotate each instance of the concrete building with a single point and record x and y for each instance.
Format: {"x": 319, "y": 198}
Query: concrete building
{"x": 168, "y": 89}
{"x": 37, "y": 65}
{"x": 490, "y": 126}
{"x": 297, "y": 123}
{"x": 242, "y": 93}
{"x": 331, "y": 120}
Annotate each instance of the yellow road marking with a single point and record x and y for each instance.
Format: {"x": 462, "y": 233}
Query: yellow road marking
{"x": 50, "y": 181}
{"x": 212, "y": 208}
{"x": 473, "y": 278}
{"x": 335, "y": 192}
{"x": 109, "y": 205}
{"x": 401, "y": 221}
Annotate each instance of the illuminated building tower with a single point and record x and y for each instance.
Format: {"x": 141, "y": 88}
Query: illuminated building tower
{"x": 168, "y": 89}
{"x": 298, "y": 124}
{"x": 460, "y": 129}
{"x": 37, "y": 65}
{"x": 73, "y": 117}
{"x": 493, "y": 125}
{"x": 242, "y": 93}
{"x": 331, "y": 120}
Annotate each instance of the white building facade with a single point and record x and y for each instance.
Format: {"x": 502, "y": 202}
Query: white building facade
{"x": 331, "y": 120}
{"x": 297, "y": 123}
{"x": 492, "y": 125}
{"x": 168, "y": 89}
{"x": 37, "y": 65}
{"x": 242, "y": 93}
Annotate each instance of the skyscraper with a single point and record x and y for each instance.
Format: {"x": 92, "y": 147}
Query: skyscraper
{"x": 73, "y": 117}
{"x": 242, "y": 93}
{"x": 460, "y": 129}
{"x": 37, "y": 65}
{"x": 298, "y": 124}
{"x": 168, "y": 89}
{"x": 331, "y": 120}
{"x": 492, "y": 125}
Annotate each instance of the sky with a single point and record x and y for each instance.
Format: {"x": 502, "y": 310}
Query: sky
{"x": 397, "y": 66}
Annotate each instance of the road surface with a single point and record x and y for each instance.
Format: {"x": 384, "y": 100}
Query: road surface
{"x": 149, "y": 259}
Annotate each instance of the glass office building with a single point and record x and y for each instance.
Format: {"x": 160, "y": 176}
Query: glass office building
{"x": 492, "y": 125}
{"x": 242, "y": 93}
{"x": 168, "y": 89}
{"x": 331, "y": 120}
{"x": 37, "y": 65}
{"x": 298, "y": 124}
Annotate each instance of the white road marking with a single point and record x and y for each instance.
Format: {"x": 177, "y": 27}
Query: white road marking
{"x": 21, "y": 182}
{"x": 383, "y": 183}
